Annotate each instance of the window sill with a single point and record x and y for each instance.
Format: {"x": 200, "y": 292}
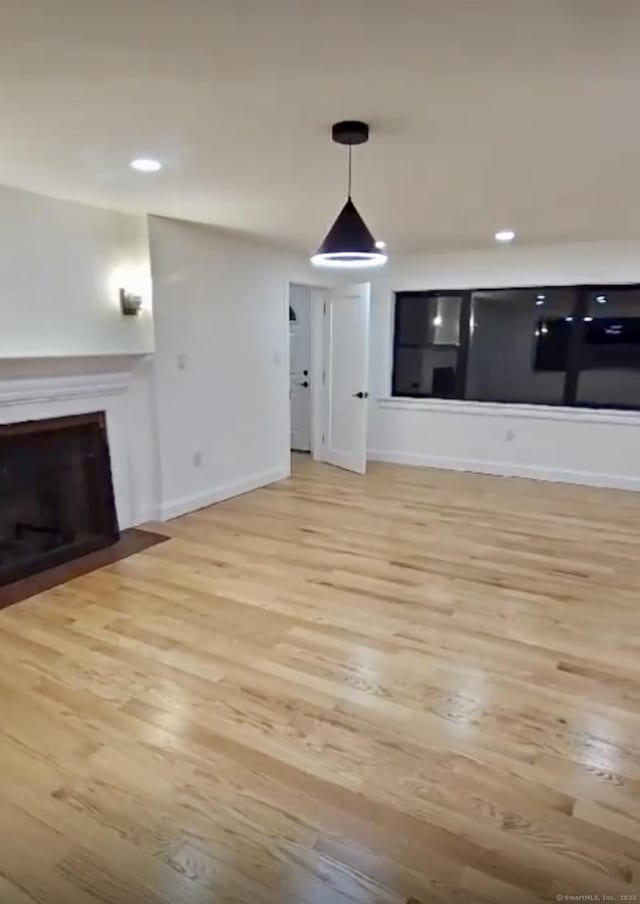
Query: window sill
{"x": 511, "y": 410}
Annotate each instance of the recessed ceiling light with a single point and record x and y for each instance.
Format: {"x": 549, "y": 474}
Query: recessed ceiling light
{"x": 541, "y": 297}
{"x": 381, "y": 245}
{"x": 505, "y": 235}
{"x": 587, "y": 319}
{"x": 601, "y": 299}
{"x": 145, "y": 165}
{"x": 568, "y": 319}
{"x": 540, "y": 301}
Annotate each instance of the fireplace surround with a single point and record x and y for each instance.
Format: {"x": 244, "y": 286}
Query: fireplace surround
{"x": 56, "y": 493}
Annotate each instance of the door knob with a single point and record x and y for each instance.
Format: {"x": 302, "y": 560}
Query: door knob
{"x": 361, "y": 395}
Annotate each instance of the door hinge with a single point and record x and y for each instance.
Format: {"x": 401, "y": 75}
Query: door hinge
{"x": 325, "y": 308}
{"x": 323, "y": 377}
{"x": 323, "y": 439}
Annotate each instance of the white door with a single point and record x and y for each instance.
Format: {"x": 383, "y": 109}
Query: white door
{"x": 300, "y": 367}
{"x": 347, "y": 377}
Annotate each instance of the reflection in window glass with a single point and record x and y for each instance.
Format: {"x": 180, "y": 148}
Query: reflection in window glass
{"x": 427, "y": 340}
{"x": 425, "y": 372}
{"x": 519, "y": 345}
{"x": 610, "y": 349}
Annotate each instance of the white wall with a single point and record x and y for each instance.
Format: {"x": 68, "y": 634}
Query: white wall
{"x": 600, "y": 448}
{"x": 221, "y": 420}
{"x": 208, "y": 416}
{"x": 222, "y": 364}
{"x": 65, "y": 347}
{"x": 61, "y": 265}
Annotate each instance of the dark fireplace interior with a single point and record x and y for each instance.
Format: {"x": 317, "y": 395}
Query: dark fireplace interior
{"x": 56, "y": 493}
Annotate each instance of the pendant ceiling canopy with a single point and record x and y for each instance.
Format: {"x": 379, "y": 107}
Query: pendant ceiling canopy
{"x": 349, "y": 243}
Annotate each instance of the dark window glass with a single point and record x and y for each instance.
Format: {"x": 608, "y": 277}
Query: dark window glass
{"x": 519, "y": 342}
{"x": 552, "y": 343}
{"x": 609, "y": 360}
{"x": 561, "y": 345}
{"x": 427, "y": 344}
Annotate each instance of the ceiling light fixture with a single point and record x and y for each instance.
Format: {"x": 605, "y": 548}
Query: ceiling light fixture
{"x": 145, "y": 165}
{"x": 601, "y": 299}
{"x": 349, "y": 243}
{"x": 505, "y": 235}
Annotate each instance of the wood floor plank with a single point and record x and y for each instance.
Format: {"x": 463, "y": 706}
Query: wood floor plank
{"x": 413, "y": 686}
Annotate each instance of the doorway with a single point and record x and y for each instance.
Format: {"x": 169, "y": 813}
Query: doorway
{"x": 328, "y": 372}
{"x": 300, "y": 367}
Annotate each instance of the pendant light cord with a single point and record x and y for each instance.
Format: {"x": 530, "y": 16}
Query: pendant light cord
{"x": 349, "y": 188}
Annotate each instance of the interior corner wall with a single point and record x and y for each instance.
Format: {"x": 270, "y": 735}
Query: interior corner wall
{"x": 221, "y": 317}
{"x": 571, "y": 445}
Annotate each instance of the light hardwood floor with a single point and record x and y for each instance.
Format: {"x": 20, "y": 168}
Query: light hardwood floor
{"x": 413, "y": 685}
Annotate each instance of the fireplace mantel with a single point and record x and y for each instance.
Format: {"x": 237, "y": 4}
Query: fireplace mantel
{"x": 56, "y": 388}
{"x": 119, "y": 385}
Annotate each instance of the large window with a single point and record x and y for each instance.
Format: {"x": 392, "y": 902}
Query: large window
{"x": 560, "y": 345}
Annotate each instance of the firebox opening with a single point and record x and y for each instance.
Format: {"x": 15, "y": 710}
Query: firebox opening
{"x": 56, "y": 493}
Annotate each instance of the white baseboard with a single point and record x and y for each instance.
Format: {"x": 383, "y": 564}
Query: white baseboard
{"x": 507, "y": 469}
{"x": 217, "y": 494}
{"x": 146, "y": 514}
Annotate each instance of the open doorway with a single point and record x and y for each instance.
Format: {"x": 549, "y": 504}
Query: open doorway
{"x": 300, "y": 300}
{"x": 328, "y": 372}
{"x": 306, "y": 325}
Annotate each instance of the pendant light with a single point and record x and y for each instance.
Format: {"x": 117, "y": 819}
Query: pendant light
{"x": 349, "y": 243}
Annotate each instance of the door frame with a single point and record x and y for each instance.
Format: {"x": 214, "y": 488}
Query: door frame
{"x": 318, "y": 351}
{"x": 316, "y": 364}
{"x": 319, "y": 365}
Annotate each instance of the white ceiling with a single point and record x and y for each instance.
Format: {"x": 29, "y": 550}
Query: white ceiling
{"x": 484, "y": 113}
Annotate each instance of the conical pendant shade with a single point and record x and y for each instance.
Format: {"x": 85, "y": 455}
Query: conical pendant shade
{"x": 349, "y": 243}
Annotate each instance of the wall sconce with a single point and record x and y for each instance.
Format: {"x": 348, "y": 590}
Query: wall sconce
{"x": 130, "y": 304}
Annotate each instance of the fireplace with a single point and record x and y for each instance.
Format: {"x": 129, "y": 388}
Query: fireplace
{"x": 56, "y": 494}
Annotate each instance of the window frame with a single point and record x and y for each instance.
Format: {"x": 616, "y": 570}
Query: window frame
{"x": 581, "y": 292}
